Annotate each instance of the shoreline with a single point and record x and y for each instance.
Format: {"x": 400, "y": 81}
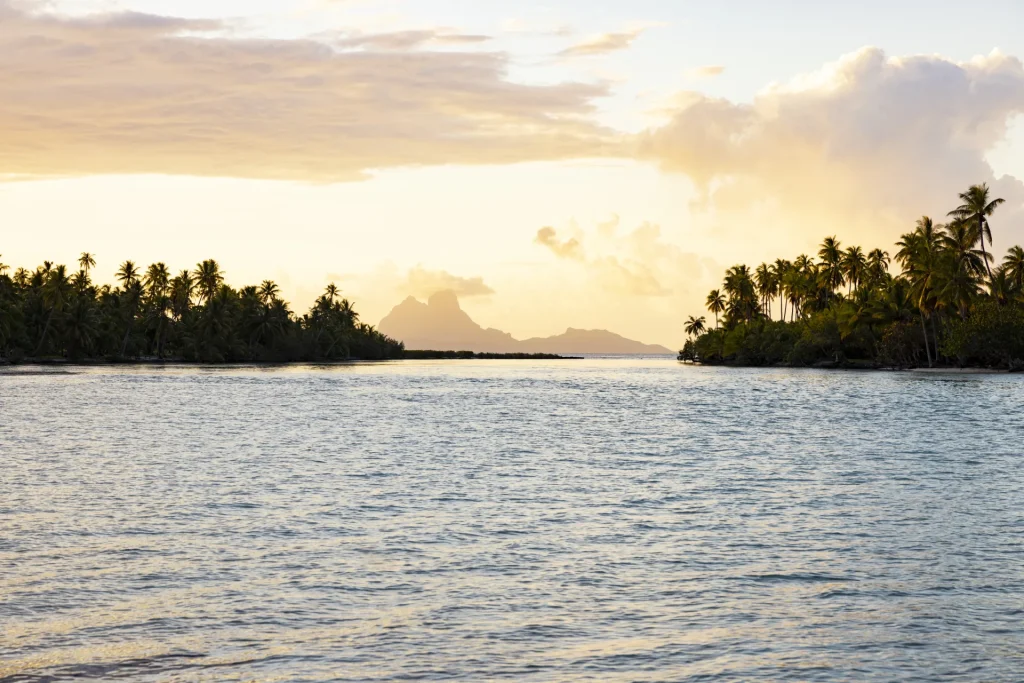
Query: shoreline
{"x": 178, "y": 362}
{"x": 865, "y": 368}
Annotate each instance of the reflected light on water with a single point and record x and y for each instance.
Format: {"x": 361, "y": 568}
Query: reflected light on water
{"x": 603, "y": 519}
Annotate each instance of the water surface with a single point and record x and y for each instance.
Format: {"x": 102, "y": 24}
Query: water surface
{"x": 600, "y": 520}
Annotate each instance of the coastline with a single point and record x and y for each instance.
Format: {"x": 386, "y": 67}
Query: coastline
{"x": 179, "y": 362}
{"x": 864, "y": 366}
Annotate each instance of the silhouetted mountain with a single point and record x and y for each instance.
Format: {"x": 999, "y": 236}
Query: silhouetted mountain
{"x": 589, "y": 341}
{"x": 442, "y": 325}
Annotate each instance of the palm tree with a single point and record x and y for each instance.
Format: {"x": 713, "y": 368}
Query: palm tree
{"x": 181, "y": 294}
{"x": 854, "y": 266}
{"x": 779, "y": 271}
{"x": 958, "y": 241}
{"x": 716, "y": 304}
{"x": 695, "y": 326}
{"x": 331, "y": 292}
{"x": 80, "y": 325}
{"x": 975, "y": 211}
{"x": 86, "y": 262}
{"x": 56, "y": 291}
{"x": 268, "y": 292}
{"x": 800, "y": 283}
{"x": 208, "y": 279}
{"x": 919, "y": 256}
{"x": 831, "y": 255}
{"x": 348, "y": 313}
{"x": 878, "y": 265}
{"x": 133, "y": 294}
{"x": 157, "y": 320}
{"x": 765, "y": 285}
{"x": 157, "y": 280}
{"x": 127, "y": 274}
{"x": 3, "y": 267}
{"x": 961, "y": 266}
{"x": 742, "y": 293}
{"x": 1000, "y": 286}
{"x": 1014, "y": 266}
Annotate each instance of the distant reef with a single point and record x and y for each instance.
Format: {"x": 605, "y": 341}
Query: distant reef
{"x": 440, "y": 323}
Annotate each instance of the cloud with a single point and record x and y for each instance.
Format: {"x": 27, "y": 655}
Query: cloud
{"x": 548, "y": 28}
{"x": 603, "y": 44}
{"x": 399, "y": 41}
{"x": 137, "y": 93}
{"x": 608, "y": 228}
{"x": 869, "y": 142}
{"x": 423, "y": 283}
{"x": 626, "y": 277}
{"x": 637, "y": 264}
{"x": 710, "y": 71}
{"x": 570, "y": 249}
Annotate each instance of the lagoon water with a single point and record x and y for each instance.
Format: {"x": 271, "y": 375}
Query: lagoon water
{"x": 599, "y": 520}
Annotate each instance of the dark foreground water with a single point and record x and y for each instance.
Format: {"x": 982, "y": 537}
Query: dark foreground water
{"x": 563, "y": 521}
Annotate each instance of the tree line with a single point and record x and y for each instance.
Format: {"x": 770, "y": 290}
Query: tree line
{"x": 951, "y": 303}
{"x": 52, "y": 312}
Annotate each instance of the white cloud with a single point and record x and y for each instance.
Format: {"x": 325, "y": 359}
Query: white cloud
{"x": 637, "y": 264}
{"x": 137, "y": 93}
{"x": 710, "y": 71}
{"x": 868, "y": 142}
{"x": 423, "y": 283}
{"x": 604, "y": 43}
{"x": 570, "y": 248}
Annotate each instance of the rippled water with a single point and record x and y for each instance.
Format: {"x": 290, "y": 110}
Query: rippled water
{"x": 562, "y": 521}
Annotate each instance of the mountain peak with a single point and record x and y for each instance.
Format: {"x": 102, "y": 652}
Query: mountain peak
{"x": 444, "y": 299}
{"x": 442, "y": 325}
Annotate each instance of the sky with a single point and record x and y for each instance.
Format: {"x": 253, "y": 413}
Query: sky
{"x": 559, "y": 164}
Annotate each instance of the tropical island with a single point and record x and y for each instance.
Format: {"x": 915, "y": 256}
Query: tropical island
{"x": 949, "y": 306}
{"x": 51, "y": 313}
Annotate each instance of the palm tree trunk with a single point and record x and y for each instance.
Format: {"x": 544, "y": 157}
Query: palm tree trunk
{"x": 935, "y": 336}
{"x": 127, "y": 332}
{"x": 927, "y": 349}
{"x": 46, "y": 328}
{"x": 124, "y": 344}
{"x": 984, "y": 254}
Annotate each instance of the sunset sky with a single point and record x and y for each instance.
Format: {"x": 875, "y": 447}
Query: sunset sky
{"x": 593, "y": 164}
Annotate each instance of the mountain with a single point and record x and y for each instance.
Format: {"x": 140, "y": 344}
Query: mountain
{"x": 442, "y": 325}
{"x": 590, "y": 341}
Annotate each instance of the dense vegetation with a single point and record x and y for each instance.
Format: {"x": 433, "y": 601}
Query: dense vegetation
{"x": 950, "y": 304}
{"x": 51, "y": 312}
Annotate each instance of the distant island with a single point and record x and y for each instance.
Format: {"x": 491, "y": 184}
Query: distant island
{"x": 442, "y": 324}
{"x": 948, "y": 307}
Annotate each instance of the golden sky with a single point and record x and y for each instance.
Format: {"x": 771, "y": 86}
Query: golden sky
{"x": 592, "y": 165}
